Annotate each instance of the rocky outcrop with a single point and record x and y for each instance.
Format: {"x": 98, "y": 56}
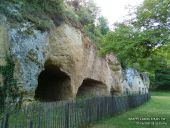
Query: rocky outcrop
{"x": 135, "y": 82}
{"x": 116, "y": 73}
{"x": 61, "y": 64}
{"x": 28, "y": 50}
{"x": 73, "y": 53}
{"x": 56, "y": 65}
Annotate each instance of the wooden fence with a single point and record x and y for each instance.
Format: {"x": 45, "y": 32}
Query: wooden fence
{"x": 70, "y": 114}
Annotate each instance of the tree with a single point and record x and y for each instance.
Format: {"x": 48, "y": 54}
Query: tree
{"x": 143, "y": 43}
{"x": 120, "y": 42}
{"x": 153, "y": 18}
{"x": 162, "y": 77}
{"x": 153, "y": 14}
{"x": 143, "y": 36}
{"x": 86, "y": 10}
{"x": 103, "y": 25}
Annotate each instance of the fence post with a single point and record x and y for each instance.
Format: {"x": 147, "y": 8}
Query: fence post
{"x": 73, "y": 114}
{"x": 31, "y": 124}
{"x": 5, "y": 121}
{"x": 67, "y": 115}
{"x": 39, "y": 119}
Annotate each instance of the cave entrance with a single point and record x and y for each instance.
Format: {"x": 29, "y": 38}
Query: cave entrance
{"x": 53, "y": 85}
{"x": 91, "y": 87}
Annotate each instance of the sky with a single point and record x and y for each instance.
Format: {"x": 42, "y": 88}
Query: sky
{"x": 115, "y": 10}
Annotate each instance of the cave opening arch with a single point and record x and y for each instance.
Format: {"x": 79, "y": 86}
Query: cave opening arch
{"x": 53, "y": 85}
{"x": 91, "y": 87}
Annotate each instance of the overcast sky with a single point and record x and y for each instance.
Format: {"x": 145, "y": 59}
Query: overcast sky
{"x": 115, "y": 10}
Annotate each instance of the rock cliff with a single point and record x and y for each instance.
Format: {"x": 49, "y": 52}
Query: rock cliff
{"x": 57, "y": 65}
{"x": 135, "y": 82}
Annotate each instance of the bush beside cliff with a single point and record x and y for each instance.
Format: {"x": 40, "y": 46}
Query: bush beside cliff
{"x": 39, "y": 12}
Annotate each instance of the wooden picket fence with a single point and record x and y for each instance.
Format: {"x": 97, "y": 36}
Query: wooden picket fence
{"x": 70, "y": 114}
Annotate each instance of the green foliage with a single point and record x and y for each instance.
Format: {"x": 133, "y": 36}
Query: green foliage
{"x": 40, "y": 12}
{"x": 160, "y": 93}
{"x": 70, "y": 15}
{"x": 131, "y": 45}
{"x": 9, "y": 88}
{"x": 122, "y": 43}
{"x": 157, "y": 107}
{"x": 85, "y": 13}
{"x": 47, "y": 13}
{"x": 44, "y": 13}
{"x": 153, "y": 19}
{"x": 143, "y": 43}
{"x": 84, "y": 16}
{"x": 162, "y": 77}
{"x": 93, "y": 32}
{"x": 103, "y": 25}
{"x": 151, "y": 12}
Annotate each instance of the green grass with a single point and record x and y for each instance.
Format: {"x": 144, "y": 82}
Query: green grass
{"x": 160, "y": 93}
{"x": 157, "y": 107}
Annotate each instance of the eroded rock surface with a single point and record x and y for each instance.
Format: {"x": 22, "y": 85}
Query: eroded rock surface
{"x": 135, "y": 82}
{"x": 75, "y": 55}
{"x": 58, "y": 65}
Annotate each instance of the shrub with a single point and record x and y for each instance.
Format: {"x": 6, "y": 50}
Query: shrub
{"x": 40, "y": 12}
{"x": 162, "y": 77}
{"x": 71, "y": 15}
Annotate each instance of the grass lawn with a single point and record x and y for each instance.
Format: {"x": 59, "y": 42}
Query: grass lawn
{"x": 155, "y": 114}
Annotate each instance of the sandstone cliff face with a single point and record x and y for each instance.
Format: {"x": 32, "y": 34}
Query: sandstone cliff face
{"x": 57, "y": 65}
{"x": 74, "y": 54}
